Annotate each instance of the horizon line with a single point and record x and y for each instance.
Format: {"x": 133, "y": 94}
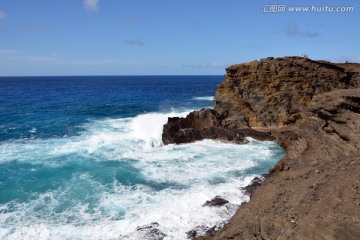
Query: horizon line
{"x": 115, "y": 75}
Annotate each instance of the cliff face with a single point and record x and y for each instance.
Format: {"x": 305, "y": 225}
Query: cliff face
{"x": 262, "y": 95}
{"x": 312, "y": 110}
{"x": 314, "y": 191}
{"x": 275, "y": 92}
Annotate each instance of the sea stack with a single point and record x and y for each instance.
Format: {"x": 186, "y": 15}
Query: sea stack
{"x": 312, "y": 109}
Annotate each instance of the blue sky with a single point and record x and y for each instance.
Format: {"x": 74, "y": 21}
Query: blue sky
{"x": 133, "y": 37}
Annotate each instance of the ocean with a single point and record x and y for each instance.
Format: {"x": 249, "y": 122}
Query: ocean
{"x": 82, "y": 158}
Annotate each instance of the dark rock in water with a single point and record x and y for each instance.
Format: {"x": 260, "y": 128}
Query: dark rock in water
{"x": 151, "y": 231}
{"x": 189, "y": 129}
{"x": 205, "y": 124}
{"x": 192, "y": 234}
{"x": 216, "y": 202}
{"x": 202, "y": 232}
{"x": 255, "y": 183}
{"x": 211, "y": 231}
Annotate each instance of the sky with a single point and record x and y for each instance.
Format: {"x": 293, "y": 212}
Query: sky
{"x": 168, "y": 37}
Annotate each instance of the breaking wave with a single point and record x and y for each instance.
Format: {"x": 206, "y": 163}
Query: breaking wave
{"x": 116, "y": 176}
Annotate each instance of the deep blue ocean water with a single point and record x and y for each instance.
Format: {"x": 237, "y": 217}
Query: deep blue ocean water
{"x": 82, "y": 157}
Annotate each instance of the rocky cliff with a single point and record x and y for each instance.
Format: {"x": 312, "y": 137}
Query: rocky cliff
{"x": 311, "y": 108}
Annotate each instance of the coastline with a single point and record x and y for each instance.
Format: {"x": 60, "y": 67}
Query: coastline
{"x": 311, "y": 108}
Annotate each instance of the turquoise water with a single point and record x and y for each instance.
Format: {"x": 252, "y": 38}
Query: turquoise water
{"x": 82, "y": 158}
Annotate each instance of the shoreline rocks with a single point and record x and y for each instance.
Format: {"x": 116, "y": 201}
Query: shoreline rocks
{"x": 255, "y": 183}
{"x": 151, "y": 231}
{"x": 205, "y": 124}
{"x": 216, "y": 202}
{"x": 312, "y": 109}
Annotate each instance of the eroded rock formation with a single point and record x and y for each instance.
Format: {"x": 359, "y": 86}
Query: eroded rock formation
{"x": 312, "y": 110}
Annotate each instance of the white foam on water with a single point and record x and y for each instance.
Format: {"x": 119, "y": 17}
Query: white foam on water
{"x": 32, "y": 130}
{"x": 148, "y": 127}
{"x": 179, "y": 179}
{"x": 175, "y": 211}
{"x": 204, "y": 98}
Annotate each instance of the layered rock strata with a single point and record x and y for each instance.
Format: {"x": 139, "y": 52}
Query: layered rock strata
{"x": 311, "y": 108}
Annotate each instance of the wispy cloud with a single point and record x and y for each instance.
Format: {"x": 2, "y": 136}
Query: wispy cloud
{"x": 47, "y": 59}
{"x": 207, "y": 65}
{"x": 292, "y": 30}
{"x": 342, "y": 59}
{"x": 18, "y": 56}
{"x": 132, "y": 20}
{"x": 8, "y": 51}
{"x": 2, "y": 15}
{"x": 192, "y": 66}
{"x": 91, "y": 62}
{"x": 36, "y": 28}
{"x": 135, "y": 41}
{"x": 255, "y": 46}
{"x": 91, "y": 5}
{"x": 216, "y": 65}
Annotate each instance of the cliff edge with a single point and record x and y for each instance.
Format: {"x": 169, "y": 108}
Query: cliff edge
{"x": 311, "y": 108}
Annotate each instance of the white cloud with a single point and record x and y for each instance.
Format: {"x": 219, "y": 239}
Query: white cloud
{"x": 91, "y": 5}
{"x": 135, "y": 41}
{"x": 292, "y": 30}
{"x": 2, "y": 15}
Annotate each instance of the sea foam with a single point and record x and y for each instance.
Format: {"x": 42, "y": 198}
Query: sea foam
{"x": 204, "y": 98}
{"x": 116, "y": 176}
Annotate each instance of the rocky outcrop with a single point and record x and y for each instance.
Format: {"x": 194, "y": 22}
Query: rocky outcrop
{"x": 206, "y": 124}
{"x": 261, "y": 95}
{"x": 215, "y": 202}
{"x": 312, "y": 110}
{"x": 274, "y": 92}
{"x": 151, "y": 231}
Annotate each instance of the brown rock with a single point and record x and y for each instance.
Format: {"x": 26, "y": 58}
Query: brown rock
{"x": 275, "y": 92}
{"x": 183, "y": 130}
{"x": 312, "y": 109}
{"x": 205, "y": 124}
{"x": 261, "y": 95}
{"x": 313, "y": 192}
